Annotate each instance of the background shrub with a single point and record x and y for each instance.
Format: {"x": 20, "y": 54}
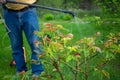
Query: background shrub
{"x": 67, "y": 17}
{"x": 48, "y": 16}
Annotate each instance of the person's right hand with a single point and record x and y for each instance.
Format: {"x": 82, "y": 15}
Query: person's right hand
{"x": 2, "y": 1}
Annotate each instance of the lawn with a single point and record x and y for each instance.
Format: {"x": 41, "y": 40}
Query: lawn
{"x": 80, "y": 28}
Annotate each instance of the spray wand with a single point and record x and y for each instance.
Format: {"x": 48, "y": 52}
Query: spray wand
{"x": 43, "y": 7}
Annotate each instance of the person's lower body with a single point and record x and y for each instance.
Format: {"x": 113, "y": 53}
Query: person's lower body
{"x": 24, "y": 21}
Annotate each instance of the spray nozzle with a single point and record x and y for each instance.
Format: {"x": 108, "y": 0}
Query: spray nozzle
{"x": 70, "y": 12}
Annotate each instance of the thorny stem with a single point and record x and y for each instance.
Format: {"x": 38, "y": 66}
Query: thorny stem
{"x": 89, "y": 59}
{"x": 73, "y": 69}
{"x": 100, "y": 66}
{"x": 86, "y": 67}
{"x": 58, "y": 69}
{"x": 77, "y": 68}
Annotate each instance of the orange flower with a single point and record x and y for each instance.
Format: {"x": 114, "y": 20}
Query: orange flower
{"x": 48, "y": 24}
{"x": 77, "y": 55}
{"x": 50, "y": 28}
{"x": 70, "y": 35}
{"x": 37, "y": 43}
{"x": 47, "y": 38}
{"x": 62, "y": 35}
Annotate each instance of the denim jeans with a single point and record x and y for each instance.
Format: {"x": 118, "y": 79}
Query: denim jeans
{"x": 18, "y": 22}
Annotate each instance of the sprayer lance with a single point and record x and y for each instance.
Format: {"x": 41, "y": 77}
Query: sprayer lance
{"x": 43, "y": 7}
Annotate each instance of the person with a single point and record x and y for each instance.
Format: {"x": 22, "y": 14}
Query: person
{"x": 19, "y": 18}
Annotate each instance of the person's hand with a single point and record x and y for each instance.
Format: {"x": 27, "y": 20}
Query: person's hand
{"x": 3, "y": 1}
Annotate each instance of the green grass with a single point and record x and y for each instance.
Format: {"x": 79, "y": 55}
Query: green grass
{"x": 80, "y": 29}
{"x": 5, "y": 55}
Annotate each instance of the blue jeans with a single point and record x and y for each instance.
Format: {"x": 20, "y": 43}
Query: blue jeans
{"x": 18, "y": 22}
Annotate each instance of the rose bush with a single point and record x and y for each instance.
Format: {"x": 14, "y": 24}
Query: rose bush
{"x": 75, "y": 60}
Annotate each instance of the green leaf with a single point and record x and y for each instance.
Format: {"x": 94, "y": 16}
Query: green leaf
{"x": 106, "y": 74}
{"x": 69, "y": 58}
{"x": 110, "y": 55}
{"x": 86, "y": 53}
